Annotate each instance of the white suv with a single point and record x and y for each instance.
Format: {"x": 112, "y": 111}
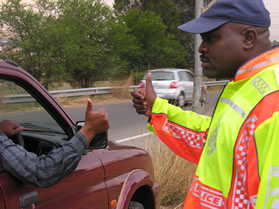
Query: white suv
{"x": 175, "y": 85}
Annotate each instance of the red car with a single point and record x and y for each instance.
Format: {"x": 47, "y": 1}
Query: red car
{"x": 108, "y": 175}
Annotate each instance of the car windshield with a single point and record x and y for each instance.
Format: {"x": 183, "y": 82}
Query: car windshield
{"x": 18, "y": 105}
{"x": 162, "y": 75}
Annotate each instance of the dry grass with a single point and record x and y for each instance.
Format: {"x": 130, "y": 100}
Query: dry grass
{"x": 173, "y": 173}
{"x": 118, "y": 95}
{"x": 82, "y": 101}
{"x": 123, "y": 92}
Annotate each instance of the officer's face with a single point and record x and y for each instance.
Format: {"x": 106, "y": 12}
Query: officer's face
{"x": 221, "y": 51}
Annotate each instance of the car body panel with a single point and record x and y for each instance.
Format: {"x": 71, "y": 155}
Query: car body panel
{"x": 100, "y": 176}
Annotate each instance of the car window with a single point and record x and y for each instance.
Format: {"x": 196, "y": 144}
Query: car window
{"x": 18, "y": 105}
{"x": 162, "y": 75}
{"x": 183, "y": 76}
{"x": 189, "y": 76}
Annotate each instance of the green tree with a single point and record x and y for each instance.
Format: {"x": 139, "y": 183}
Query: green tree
{"x": 30, "y": 28}
{"x": 157, "y": 47}
{"x": 173, "y": 14}
{"x": 79, "y": 41}
{"x": 84, "y": 25}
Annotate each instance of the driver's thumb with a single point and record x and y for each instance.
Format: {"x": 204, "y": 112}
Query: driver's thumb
{"x": 150, "y": 93}
{"x": 89, "y": 105}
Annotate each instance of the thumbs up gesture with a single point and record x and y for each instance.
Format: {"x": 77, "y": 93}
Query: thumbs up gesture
{"x": 150, "y": 94}
{"x": 95, "y": 122}
{"x": 144, "y": 100}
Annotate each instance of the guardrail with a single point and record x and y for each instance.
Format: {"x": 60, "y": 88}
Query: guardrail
{"x": 216, "y": 83}
{"x": 20, "y": 98}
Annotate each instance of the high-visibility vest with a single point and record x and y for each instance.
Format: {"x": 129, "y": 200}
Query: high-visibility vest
{"x": 237, "y": 150}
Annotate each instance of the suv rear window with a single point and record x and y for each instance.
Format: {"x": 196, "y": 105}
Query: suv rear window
{"x": 162, "y": 75}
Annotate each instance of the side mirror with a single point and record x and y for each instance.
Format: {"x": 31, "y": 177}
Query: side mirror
{"x": 100, "y": 141}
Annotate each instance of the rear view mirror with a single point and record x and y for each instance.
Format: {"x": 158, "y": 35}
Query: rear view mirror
{"x": 100, "y": 141}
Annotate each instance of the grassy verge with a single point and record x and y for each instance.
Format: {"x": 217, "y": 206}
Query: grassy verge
{"x": 172, "y": 172}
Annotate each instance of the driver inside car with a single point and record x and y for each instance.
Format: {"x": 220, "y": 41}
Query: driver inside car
{"x": 47, "y": 170}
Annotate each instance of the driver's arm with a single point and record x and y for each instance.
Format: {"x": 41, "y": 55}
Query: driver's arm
{"x": 47, "y": 170}
{"x": 44, "y": 170}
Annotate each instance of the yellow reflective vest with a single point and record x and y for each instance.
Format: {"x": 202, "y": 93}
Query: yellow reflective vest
{"x": 236, "y": 150}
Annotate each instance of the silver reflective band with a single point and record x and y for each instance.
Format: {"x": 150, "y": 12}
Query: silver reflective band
{"x": 271, "y": 195}
{"x": 234, "y": 106}
{"x": 258, "y": 65}
{"x": 260, "y": 85}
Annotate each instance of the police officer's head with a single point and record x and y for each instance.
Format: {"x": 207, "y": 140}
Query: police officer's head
{"x": 232, "y": 31}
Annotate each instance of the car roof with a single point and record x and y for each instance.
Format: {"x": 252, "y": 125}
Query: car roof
{"x": 170, "y": 69}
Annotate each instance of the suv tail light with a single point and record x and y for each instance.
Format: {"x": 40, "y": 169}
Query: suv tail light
{"x": 141, "y": 85}
{"x": 173, "y": 85}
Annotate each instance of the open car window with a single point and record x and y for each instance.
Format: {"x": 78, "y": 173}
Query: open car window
{"x": 18, "y": 105}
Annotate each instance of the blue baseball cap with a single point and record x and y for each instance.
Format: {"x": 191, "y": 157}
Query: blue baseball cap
{"x": 219, "y": 12}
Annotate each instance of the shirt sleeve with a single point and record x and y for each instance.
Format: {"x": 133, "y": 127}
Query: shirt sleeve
{"x": 184, "y": 132}
{"x": 43, "y": 170}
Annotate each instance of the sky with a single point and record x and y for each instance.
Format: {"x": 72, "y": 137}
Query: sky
{"x": 274, "y": 13}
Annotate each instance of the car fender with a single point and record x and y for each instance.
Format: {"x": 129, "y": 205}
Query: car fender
{"x": 136, "y": 179}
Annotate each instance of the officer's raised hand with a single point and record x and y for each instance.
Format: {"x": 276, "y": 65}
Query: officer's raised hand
{"x": 143, "y": 99}
{"x": 150, "y": 95}
{"x": 139, "y": 102}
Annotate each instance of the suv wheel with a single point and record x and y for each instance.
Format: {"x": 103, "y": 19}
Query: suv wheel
{"x": 135, "y": 205}
{"x": 181, "y": 100}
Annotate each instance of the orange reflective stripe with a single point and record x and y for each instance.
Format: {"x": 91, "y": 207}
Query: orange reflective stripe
{"x": 239, "y": 196}
{"x": 183, "y": 141}
{"x": 201, "y": 196}
{"x": 245, "y": 181}
{"x": 257, "y": 64}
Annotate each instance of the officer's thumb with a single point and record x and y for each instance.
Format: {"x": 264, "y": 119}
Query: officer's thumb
{"x": 150, "y": 93}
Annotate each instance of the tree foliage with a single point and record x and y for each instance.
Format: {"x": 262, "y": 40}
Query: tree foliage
{"x": 173, "y": 13}
{"x": 157, "y": 47}
{"x": 29, "y": 36}
{"x": 83, "y": 41}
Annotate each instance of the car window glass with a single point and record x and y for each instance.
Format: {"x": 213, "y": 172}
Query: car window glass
{"x": 162, "y": 75}
{"x": 18, "y": 105}
{"x": 187, "y": 76}
{"x": 182, "y": 76}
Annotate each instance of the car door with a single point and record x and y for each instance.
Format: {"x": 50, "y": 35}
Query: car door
{"x": 47, "y": 126}
{"x": 186, "y": 84}
{"x": 190, "y": 85}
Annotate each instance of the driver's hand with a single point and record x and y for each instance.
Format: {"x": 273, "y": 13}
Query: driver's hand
{"x": 10, "y": 128}
{"x": 95, "y": 122}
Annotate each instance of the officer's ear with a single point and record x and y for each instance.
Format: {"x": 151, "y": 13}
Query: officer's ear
{"x": 250, "y": 36}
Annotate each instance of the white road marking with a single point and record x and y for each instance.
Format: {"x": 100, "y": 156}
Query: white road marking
{"x": 133, "y": 137}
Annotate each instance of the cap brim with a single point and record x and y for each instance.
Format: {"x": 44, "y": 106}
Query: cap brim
{"x": 202, "y": 25}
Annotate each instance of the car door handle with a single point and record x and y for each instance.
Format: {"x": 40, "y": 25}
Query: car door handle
{"x": 29, "y": 199}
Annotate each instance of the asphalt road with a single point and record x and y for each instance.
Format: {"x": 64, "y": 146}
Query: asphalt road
{"x": 127, "y": 127}
{"x": 124, "y": 121}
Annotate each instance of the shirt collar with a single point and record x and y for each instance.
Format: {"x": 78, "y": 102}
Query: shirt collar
{"x": 257, "y": 64}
